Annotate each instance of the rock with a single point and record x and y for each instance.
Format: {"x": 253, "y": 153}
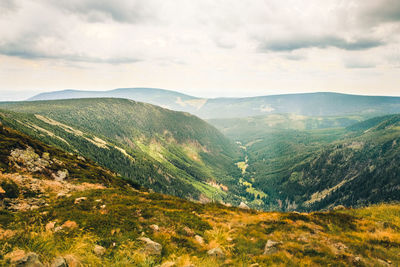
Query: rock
{"x": 21, "y": 259}
{"x": 340, "y": 246}
{"x": 199, "y": 239}
{"x": 72, "y": 261}
{"x": 243, "y": 205}
{"x": 70, "y": 225}
{"x": 60, "y": 175}
{"x": 59, "y": 262}
{"x": 216, "y": 252}
{"x": 50, "y": 226}
{"x": 15, "y": 255}
{"x": 63, "y": 195}
{"x": 99, "y": 250}
{"x": 151, "y": 248}
{"x": 188, "y": 231}
{"x": 79, "y": 200}
{"x": 271, "y": 247}
{"x": 168, "y": 264}
{"x": 155, "y": 227}
{"x": 339, "y": 207}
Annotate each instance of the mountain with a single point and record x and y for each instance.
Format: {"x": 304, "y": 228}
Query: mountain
{"x": 288, "y": 167}
{"x": 167, "y": 151}
{"x": 60, "y": 209}
{"x": 308, "y": 104}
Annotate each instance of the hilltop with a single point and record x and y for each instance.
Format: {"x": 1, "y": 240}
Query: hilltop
{"x": 307, "y": 104}
{"x": 91, "y": 216}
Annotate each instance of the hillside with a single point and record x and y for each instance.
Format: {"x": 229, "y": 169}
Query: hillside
{"x": 307, "y": 104}
{"x": 291, "y": 169}
{"x": 91, "y": 217}
{"x": 170, "y": 152}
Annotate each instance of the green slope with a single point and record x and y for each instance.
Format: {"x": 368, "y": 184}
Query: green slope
{"x": 318, "y": 169}
{"x": 94, "y": 218}
{"x": 170, "y": 152}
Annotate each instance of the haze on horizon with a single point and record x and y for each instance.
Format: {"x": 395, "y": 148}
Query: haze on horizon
{"x": 203, "y": 48}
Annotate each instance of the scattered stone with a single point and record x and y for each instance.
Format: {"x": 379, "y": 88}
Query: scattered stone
{"x": 58, "y": 228}
{"x": 340, "y": 246}
{"x": 271, "y": 247}
{"x": 168, "y": 264}
{"x": 70, "y": 225}
{"x": 63, "y": 195}
{"x": 151, "y": 248}
{"x": 50, "y": 226}
{"x": 79, "y": 200}
{"x": 59, "y": 262}
{"x": 199, "y": 239}
{"x": 243, "y": 205}
{"x": 155, "y": 227}
{"x": 102, "y": 206}
{"x": 339, "y": 207}
{"x": 216, "y": 252}
{"x": 98, "y": 200}
{"x": 72, "y": 261}
{"x": 60, "y": 175}
{"x": 20, "y": 258}
{"x": 188, "y": 231}
{"x": 99, "y": 250}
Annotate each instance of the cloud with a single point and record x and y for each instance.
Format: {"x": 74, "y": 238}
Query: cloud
{"x": 132, "y": 11}
{"x": 378, "y": 12}
{"x": 301, "y": 42}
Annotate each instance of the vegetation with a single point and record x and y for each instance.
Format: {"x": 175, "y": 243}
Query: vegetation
{"x": 170, "y": 152}
{"x": 104, "y": 211}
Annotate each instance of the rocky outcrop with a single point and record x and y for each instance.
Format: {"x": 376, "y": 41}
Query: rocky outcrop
{"x": 28, "y": 159}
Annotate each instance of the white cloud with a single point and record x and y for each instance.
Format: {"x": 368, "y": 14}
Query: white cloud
{"x": 214, "y": 47}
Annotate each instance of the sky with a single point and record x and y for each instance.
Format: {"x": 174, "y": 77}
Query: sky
{"x": 205, "y": 48}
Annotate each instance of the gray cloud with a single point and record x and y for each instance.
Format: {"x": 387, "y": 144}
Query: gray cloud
{"x": 19, "y": 49}
{"x": 377, "y": 12}
{"x": 292, "y": 44}
{"x": 100, "y": 10}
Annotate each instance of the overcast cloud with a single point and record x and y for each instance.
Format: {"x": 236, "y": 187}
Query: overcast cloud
{"x": 200, "y": 47}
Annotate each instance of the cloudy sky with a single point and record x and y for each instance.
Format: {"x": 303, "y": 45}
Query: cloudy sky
{"x": 200, "y": 47}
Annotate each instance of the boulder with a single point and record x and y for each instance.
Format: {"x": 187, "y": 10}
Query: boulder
{"x": 339, "y": 207}
{"x": 22, "y": 259}
{"x": 79, "y": 200}
{"x": 151, "y": 248}
{"x": 70, "y": 225}
{"x": 59, "y": 262}
{"x": 50, "y": 226}
{"x": 72, "y": 261}
{"x": 243, "y": 205}
{"x": 99, "y": 250}
{"x": 271, "y": 247}
{"x": 216, "y": 252}
{"x": 199, "y": 239}
{"x": 154, "y": 227}
{"x": 188, "y": 231}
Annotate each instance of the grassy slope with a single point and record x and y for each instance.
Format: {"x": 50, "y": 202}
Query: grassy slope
{"x": 173, "y": 152}
{"x": 360, "y": 237}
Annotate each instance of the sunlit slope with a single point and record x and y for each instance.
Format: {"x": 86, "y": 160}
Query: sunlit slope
{"x": 91, "y": 217}
{"x": 171, "y": 152}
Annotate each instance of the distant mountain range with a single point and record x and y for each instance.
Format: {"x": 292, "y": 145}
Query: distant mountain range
{"x": 308, "y": 104}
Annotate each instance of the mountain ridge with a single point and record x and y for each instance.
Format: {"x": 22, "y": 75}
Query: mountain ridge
{"x": 308, "y": 104}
